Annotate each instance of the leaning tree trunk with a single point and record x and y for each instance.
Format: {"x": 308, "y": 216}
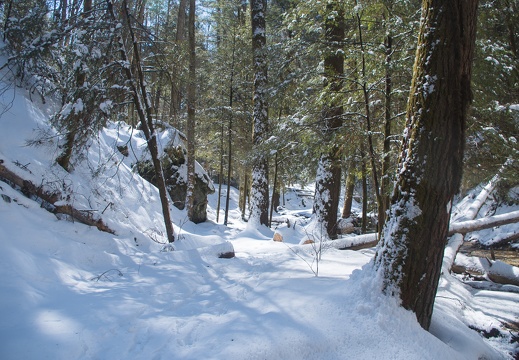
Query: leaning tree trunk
{"x": 260, "y": 186}
{"x": 141, "y": 102}
{"x": 409, "y": 256}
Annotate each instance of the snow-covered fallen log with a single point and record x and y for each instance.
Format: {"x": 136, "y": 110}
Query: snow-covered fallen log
{"x": 483, "y": 223}
{"x": 503, "y": 273}
{"x": 50, "y": 200}
{"x": 450, "y": 252}
{"x": 472, "y": 211}
{"x": 459, "y": 228}
{"x": 223, "y": 250}
{"x": 503, "y": 238}
{"x": 496, "y": 271}
{"x": 355, "y": 242}
{"x": 457, "y": 238}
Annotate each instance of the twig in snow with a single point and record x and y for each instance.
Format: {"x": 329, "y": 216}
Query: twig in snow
{"x": 104, "y": 275}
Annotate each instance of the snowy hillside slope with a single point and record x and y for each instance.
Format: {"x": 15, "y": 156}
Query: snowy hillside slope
{"x": 103, "y": 184}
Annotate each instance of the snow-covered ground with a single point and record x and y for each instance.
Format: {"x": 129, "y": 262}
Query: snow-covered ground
{"x": 69, "y": 291}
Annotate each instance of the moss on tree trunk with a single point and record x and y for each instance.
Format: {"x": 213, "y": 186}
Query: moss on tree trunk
{"x": 415, "y": 233}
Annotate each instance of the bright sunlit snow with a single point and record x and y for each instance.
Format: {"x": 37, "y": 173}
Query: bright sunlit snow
{"x": 69, "y": 291}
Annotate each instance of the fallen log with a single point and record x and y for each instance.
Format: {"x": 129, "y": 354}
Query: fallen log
{"x": 84, "y": 217}
{"x": 224, "y": 250}
{"x": 504, "y": 239}
{"x": 369, "y": 240}
{"x": 26, "y": 187}
{"x": 503, "y": 273}
{"x": 450, "y": 252}
{"x": 484, "y": 223}
{"x": 478, "y": 202}
{"x": 356, "y": 242}
{"x": 461, "y": 228}
{"x": 49, "y": 199}
{"x": 457, "y": 239}
{"x": 495, "y": 271}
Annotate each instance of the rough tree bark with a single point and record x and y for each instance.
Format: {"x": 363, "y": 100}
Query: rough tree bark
{"x": 364, "y": 180}
{"x": 260, "y": 190}
{"x": 274, "y": 203}
{"x": 328, "y": 177}
{"x": 409, "y": 256}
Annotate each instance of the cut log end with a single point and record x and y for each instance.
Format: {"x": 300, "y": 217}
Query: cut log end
{"x": 278, "y": 237}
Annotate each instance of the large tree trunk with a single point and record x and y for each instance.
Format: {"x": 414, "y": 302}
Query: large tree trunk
{"x": 244, "y": 191}
{"x": 328, "y": 178}
{"x": 180, "y": 35}
{"x": 409, "y": 256}
{"x": 260, "y": 189}
{"x": 176, "y": 91}
{"x": 327, "y": 191}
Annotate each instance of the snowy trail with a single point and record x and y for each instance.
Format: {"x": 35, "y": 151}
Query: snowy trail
{"x": 265, "y": 303}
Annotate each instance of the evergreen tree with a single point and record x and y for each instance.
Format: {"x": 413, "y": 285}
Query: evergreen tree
{"x": 493, "y": 128}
